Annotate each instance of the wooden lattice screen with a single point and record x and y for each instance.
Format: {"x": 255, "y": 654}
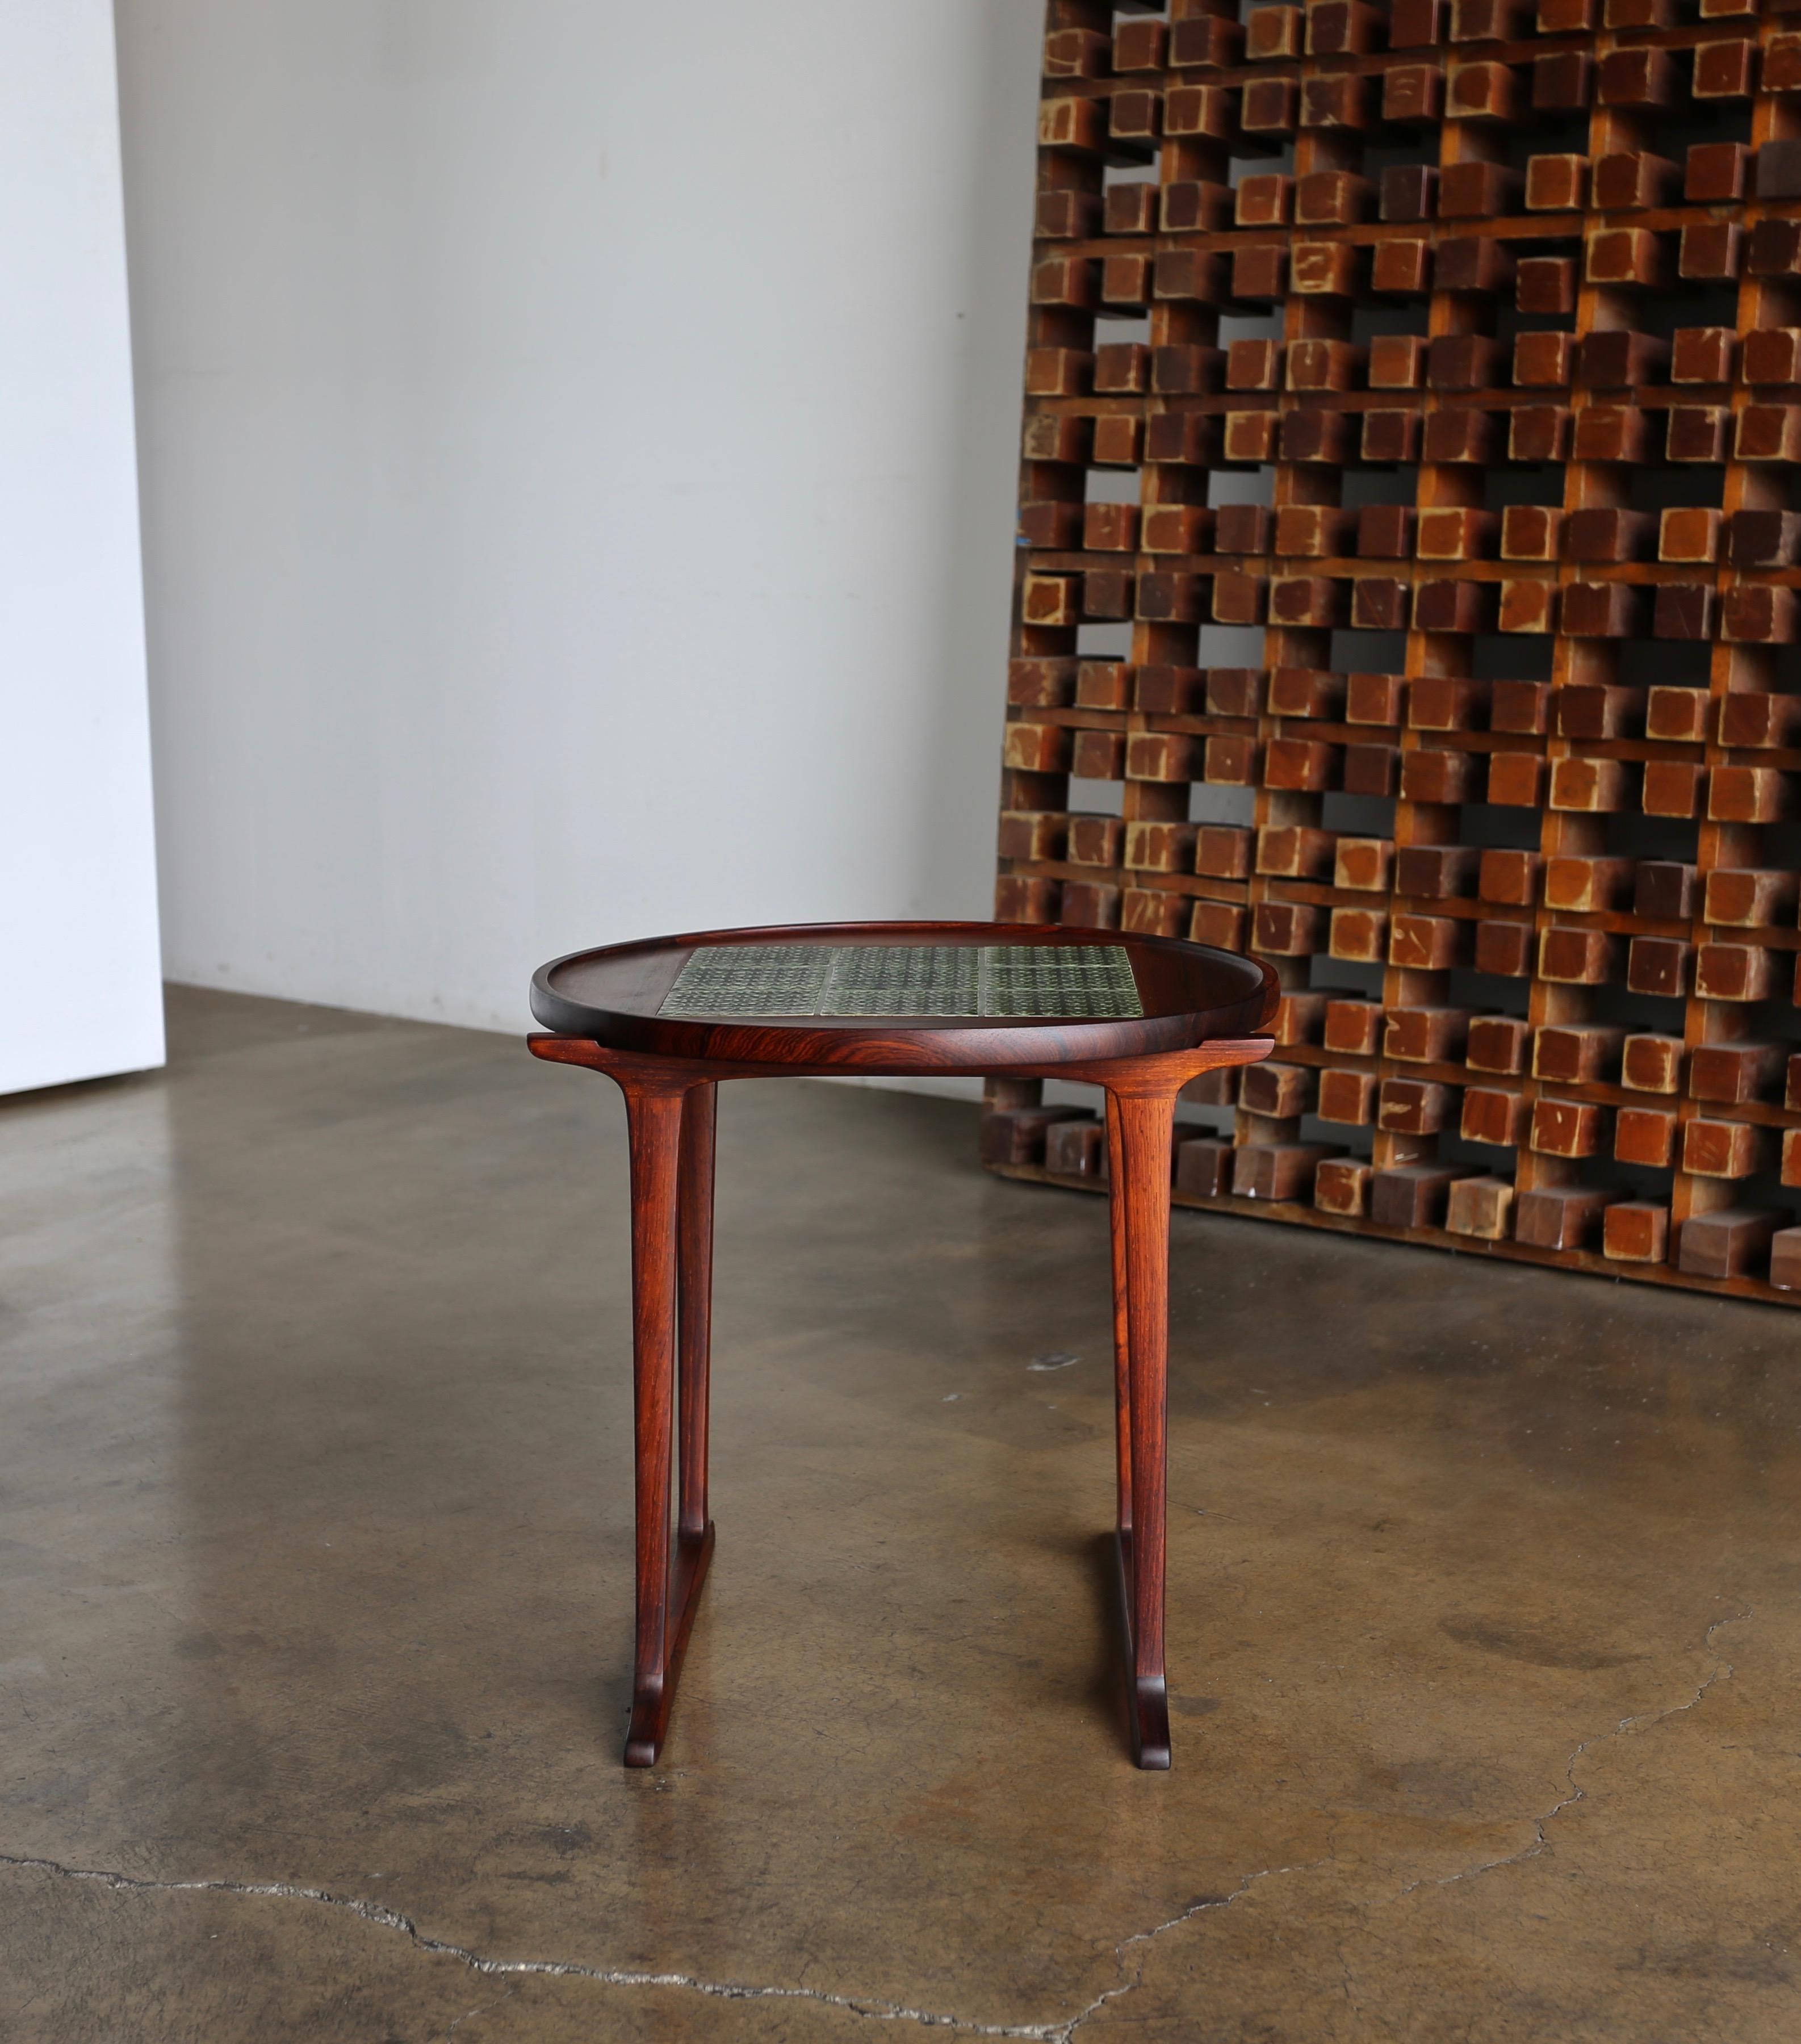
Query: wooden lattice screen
{"x": 1407, "y": 593}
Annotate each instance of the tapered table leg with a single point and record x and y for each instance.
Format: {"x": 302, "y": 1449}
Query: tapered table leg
{"x": 1142, "y": 1127}
{"x": 694, "y": 1268}
{"x": 665, "y": 1594}
{"x": 1122, "y": 1340}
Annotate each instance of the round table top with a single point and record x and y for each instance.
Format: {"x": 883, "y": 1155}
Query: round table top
{"x": 905, "y": 997}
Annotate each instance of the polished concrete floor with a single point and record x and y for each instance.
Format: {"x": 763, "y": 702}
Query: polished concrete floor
{"x": 315, "y": 1508}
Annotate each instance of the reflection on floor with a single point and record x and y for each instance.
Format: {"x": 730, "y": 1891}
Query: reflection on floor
{"x": 315, "y": 1500}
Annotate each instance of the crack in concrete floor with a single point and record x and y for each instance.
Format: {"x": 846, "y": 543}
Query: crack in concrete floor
{"x": 874, "y": 2006}
{"x": 871, "y": 2006}
{"x": 1645, "y": 1719}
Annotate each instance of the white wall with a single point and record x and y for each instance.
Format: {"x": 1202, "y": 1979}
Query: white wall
{"x": 78, "y": 904}
{"x": 578, "y": 442}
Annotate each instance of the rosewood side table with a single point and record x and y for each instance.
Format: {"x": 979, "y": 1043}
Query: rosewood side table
{"x": 666, "y": 1019}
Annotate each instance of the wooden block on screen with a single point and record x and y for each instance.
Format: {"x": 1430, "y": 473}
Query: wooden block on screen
{"x": 1353, "y": 1028}
{"x": 1278, "y": 1090}
{"x": 1504, "y": 950}
{"x": 1183, "y": 437}
{"x": 1481, "y": 1208}
{"x": 1042, "y": 684}
{"x": 1111, "y": 529}
{"x": 1659, "y": 965}
{"x": 1230, "y": 760}
{"x": 1436, "y": 871}
{"x": 1543, "y": 361}
{"x": 1203, "y": 1167}
{"x": 1358, "y": 935}
{"x": 1397, "y": 362}
{"x": 1744, "y": 897}
{"x": 1611, "y": 433}
{"x": 1414, "y": 1195}
{"x": 1733, "y": 972}
{"x": 1021, "y": 897}
{"x": 1476, "y": 191}
{"x": 1294, "y": 851}
{"x": 1346, "y": 1097}
{"x": 1785, "y": 1258}
{"x": 1342, "y": 1186}
{"x": 1222, "y": 851}
{"x": 1033, "y": 834}
{"x": 1576, "y": 1054}
{"x": 1732, "y": 1074}
{"x": 1220, "y": 923}
{"x": 1727, "y": 1243}
{"x": 1458, "y": 434}
{"x": 1097, "y": 755}
{"x": 1107, "y": 593}
{"x": 1401, "y": 269}
{"x": 1175, "y": 528}
{"x": 1016, "y": 1136}
{"x": 1428, "y": 943}
{"x": 1151, "y": 912}
{"x": 1516, "y": 779}
{"x": 1747, "y": 795}
{"x": 1163, "y": 755}
{"x": 1759, "y": 614}
{"x": 1645, "y": 1136}
{"x": 1772, "y": 355}
{"x": 1498, "y": 1043}
{"x": 1651, "y": 1064}
{"x": 1722, "y": 1149}
{"x": 1095, "y": 841}
{"x": 1160, "y": 847}
{"x": 1560, "y": 1216}
{"x": 1362, "y": 864}
{"x": 1298, "y": 1018}
{"x": 1092, "y": 905}
{"x": 1237, "y": 598}
{"x": 1585, "y": 785}
{"x": 1565, "y": 1128}
{"x": 1371, "y": 698}
{"x": 1277, "y": 1170}
{"x": 1037, "y": 748}
{"x": 1433, "y": 774}
{"x": 1305, "y": 692}
{"x": 1635, "y": 1231}
{"x": 1496, "y": 1116}
{"x": 1130, "y": 209}
{"x": 1305, "y": 603}
{"x": 1287, "y": 929}
{"x": 1586, "y": 886}
{"x": 1068, "y": 216}
{"x": 1076, "y": 1147}
{"x": 1390, "y": 437}
{"x": 1426, "y": 1035}
{"x": 1371, "y": 770}
{"x": 1672, "y": 788}
{"x": 1164, "y": 691}
{"x": 1749, "y": 717}
{"x": 1570, "y": 956}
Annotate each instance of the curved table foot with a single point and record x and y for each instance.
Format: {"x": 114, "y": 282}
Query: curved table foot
{"x": 1147, "y": 1697}
{"x": 652, "y": 1701}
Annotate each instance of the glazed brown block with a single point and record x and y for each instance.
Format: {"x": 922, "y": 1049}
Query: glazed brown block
{"x": 1650, "y": 1063}
{"x": 1103, "y": 685}
{"x": 1479, "y": 1207}
{"x": 1221, "y": 924}
{"x": 1504, "y": 950}
{"x": 1342, "y": 1186}
{"x": 1576, "y": 1053}
{"x": 1561, "y": 1216}
{"x": 1726, "y": 1243}
{"x": 1573, "y": 957}
{"x": 1565, "y": 1128}
{"x": 1203, "y": 1167}
{"x": 1160, "y": 847}
{"x": 1731, "y": 1074}
{"x": 1347, "y": 1097}
{"x": 1722, "y": 1149}
{"x": 1426, "y": 1035}
{"x": 1359, "y": 936}
{"x": 1646, "y": 1136}
{"x": 1659, "y": 965}
{"x": 1745, "y": 897}
{"x": 1733, "y": 972}
{"x": 1097, "y": 756}
{"x": 1498, "y": 1043}
{"x": 1353, "y": 1028}
{"x": 1546, "y": 286}
{"x": 1635, "y": 1231}
{"x": 1427, "y": 943}
{"x": 1413, "y": 1195}
{"x": 1280, "y": 1091}
{"x": 1493, "y": 1115}
{"x": 1543, "y": 361}
{"x": 1294, "y": 851}
{"x": 1167, "y": 691}
{"x": 1034, "y": 836}
{"x": 1305, "y": 692}
{"x": 1631, "y": 180}
{"x": 1362, "y": 864}
{"x": 1222, "y": 851}
{"x": 1716, "y": 173}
